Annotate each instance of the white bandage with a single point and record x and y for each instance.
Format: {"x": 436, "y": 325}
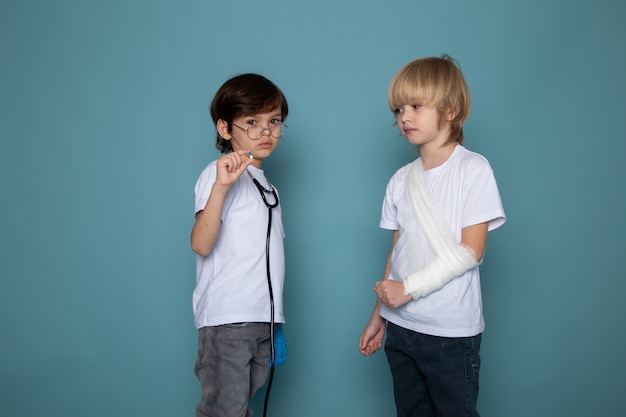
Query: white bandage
{"x": 451, "y": 258}
{"x": 439, "y": 272}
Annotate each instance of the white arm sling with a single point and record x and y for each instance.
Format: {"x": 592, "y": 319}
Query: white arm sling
{"x": 451, "y": 258}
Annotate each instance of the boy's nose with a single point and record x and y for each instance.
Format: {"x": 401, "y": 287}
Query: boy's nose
{"x": 406, "y": 114}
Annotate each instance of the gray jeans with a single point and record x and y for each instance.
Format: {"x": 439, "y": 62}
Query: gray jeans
{"x": 232, "y": 364}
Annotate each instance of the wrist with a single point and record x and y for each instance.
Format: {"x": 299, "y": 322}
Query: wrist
{"x": 221, "y": 189}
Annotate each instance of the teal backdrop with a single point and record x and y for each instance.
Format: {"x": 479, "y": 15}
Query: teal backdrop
{"x": 104, "y": 129}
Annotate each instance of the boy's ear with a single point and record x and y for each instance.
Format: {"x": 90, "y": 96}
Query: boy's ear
{"x": 222, "y": 129}
{"x": 451, "y": 114}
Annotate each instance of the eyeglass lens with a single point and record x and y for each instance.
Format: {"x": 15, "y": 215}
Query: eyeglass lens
{"x": 256, "y": 131}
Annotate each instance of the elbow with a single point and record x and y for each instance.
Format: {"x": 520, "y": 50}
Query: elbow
{"x": 202, "y": 240}
{"x": 201, "y": 251}
{"x": 200, "y": 248}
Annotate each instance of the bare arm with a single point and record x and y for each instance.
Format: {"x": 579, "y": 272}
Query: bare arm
{"x": 208, "y": 223}
{"x": 372, "y": 335}
{"x": 475, "y": 238}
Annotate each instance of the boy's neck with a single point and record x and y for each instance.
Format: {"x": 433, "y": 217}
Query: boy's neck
{"x": 434, "y": 156}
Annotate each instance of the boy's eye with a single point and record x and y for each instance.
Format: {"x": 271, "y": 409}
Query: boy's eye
{"x": 251, "y": 122}
{"x": 275, "y": 122}
{"x": 397, "y": 110}
{"x": 417, "y": 106}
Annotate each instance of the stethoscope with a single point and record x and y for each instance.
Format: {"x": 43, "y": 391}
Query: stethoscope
{"x": 263, "y": 191}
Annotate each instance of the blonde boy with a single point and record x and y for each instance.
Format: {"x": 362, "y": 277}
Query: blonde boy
{"x": 439, "y": 209}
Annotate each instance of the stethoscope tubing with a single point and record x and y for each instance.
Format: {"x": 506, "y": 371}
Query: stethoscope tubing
{"x": 269, "y": 206}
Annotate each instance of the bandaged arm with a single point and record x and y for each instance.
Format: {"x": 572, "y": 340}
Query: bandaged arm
{"x": 441, "y": 270}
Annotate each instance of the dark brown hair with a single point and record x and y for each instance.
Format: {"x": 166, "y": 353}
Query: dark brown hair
{"x": 245, "y": 95}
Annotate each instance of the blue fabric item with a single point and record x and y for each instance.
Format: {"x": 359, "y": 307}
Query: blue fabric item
{"x": 280, "y": 346}
{"x": 433, "y": 375}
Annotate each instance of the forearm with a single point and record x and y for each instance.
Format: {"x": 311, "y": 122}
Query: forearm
{"x": 437, "y": 273}
{"x": 208, "y": 223}
{"x": 447, "y": 266}
{"x": 394, "y": 239}
{"x": 385, "y": 277}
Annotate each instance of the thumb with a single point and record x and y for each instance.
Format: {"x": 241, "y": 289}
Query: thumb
{"x": 246, "y": 156}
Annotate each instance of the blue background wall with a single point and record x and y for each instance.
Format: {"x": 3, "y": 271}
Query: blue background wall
{"x": 104, "y": 129}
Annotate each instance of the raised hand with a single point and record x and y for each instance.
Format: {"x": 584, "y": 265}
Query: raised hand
{"x": 231, "y": 166}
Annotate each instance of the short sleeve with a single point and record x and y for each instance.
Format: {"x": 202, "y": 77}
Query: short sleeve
{"x": 482, "y": 198}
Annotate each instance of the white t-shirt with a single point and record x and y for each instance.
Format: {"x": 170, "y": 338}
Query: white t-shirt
{"x": 465, "y": 188}
{"x": 231, "y": 282}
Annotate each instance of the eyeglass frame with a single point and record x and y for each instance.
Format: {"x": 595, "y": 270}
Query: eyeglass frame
{"x": 263, "y": 129}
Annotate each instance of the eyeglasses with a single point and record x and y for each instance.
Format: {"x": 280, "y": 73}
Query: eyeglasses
{"x": 255, "y": 131}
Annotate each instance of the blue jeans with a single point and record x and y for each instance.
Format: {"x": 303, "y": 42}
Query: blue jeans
{"x": 433, "y": 376}
{"x": 232, "y": 364}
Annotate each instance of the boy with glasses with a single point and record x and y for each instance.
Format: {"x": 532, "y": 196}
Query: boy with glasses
{"x": 238, "y": 238}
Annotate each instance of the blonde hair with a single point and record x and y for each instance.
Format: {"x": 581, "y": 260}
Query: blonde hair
{"x": 437, "y": 82}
